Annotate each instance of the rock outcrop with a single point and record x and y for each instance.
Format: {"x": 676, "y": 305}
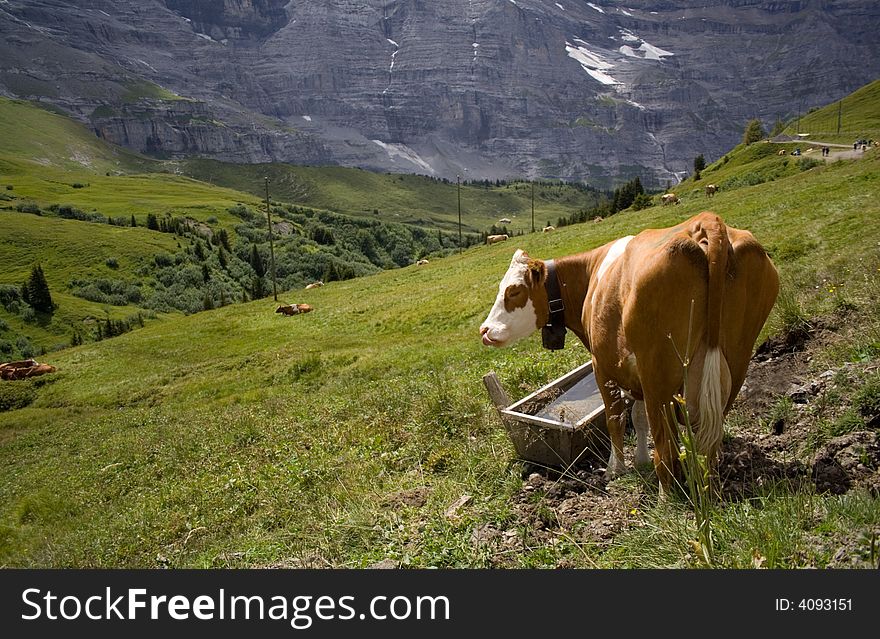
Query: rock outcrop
{"x": 598, "y": 91}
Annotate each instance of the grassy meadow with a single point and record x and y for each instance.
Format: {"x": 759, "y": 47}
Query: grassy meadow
{"x": 854, "y": 117}
{"x": 240, "y": 437}
{"x": 49, "y": 163}
{"x": 401, "y": 198}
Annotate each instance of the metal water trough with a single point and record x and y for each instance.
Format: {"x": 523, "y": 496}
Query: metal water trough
{"x": 560, "y": 424}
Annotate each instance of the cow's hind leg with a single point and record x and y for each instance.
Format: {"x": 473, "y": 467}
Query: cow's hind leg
{"x": 640, "y": 423}
{"x": 615, "y": 421}
{"x": 664, "y": 431}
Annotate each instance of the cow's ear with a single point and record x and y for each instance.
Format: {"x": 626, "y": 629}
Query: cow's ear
{"x": 537, "y": 270}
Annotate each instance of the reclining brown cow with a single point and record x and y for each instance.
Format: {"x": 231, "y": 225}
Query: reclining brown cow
{"x": 293, "y": 309}
{"x": 24, "y": 369}
{"x": 641, "y": 305}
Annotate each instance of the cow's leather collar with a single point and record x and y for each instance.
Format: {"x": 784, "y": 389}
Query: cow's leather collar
{"x": 553, "y": 333}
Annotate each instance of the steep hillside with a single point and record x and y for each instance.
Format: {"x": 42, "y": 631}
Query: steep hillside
{"x": 599, "y": 91}
{"x": 414, "y": 199}
{"x": 855, "y": 116}
{"x": 123, "y": 236}
{"x": 239, "y": 437}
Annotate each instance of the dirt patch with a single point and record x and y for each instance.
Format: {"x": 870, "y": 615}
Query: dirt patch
{"x": 577, "y": 507}
{"x": 412, "y": 498}
{"x": 848, "y": 461}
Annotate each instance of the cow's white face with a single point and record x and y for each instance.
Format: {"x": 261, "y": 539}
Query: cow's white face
{"x": 513, "y": 315}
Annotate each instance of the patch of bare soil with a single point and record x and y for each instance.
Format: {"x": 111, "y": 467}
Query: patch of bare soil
{"x": 763, "y": 449}
{"x": 773, "y": 443}
{"x": 551, "y": 508}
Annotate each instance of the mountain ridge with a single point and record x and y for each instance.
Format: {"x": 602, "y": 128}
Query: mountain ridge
{"x": 595, "y": 91}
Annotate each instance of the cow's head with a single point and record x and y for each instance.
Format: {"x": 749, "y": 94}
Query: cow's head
{"x": 521, "y": 306}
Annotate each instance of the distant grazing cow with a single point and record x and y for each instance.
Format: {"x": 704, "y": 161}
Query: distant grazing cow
{"x": 293, "y": 309}
{"x": 710, "y": 190}
{"x": 504, "y": 220}
{"x": 422, "y": 262}
{"x": 697, "y": 292}
{"x": 494, "y": 239}
{"x": 669, "y": 198}
{"x": 315, "y": 284}
{"x": 598, "y": 218}
{"x": 24, "y": 369}
{"x": 781, "y": 152}
{"x": 547, "y": 229}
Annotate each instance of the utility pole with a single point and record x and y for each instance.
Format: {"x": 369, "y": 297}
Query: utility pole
{"x": 271, "y": 243}
{"x": 458, "y": 181}
{"x": 533, "y": 206}
{"x": 800, "y": 108}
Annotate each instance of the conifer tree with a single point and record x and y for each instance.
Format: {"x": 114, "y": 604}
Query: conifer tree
{"x": 257, "y": 262}
{"x": 36, "y": 291}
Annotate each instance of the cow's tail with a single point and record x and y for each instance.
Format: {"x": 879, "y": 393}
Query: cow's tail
{"x": 716, "y": 374}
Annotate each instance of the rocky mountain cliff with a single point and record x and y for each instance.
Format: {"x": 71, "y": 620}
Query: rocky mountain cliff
{"x": 599, "y": 91}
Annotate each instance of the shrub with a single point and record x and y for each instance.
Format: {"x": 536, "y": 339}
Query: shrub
{"x": 9, "y": 295}
{"x": 28, "y": 207}
{"x": 112, "y": 262}
{"x": 163, "y": 260}
{"x": 240, "y": 210}
{"x": 24, "y": 346}
{"x": 754, "y": 132}
{"x": 642, "y": 201}
{"x": 105, "y": 291}
{"x": 805, "y": 164}
{"x": 14, "y": 395}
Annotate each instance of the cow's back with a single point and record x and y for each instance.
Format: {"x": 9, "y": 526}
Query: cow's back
{"x": 653, "y": 302}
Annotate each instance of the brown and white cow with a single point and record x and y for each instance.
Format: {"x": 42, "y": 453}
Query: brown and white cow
{"x": 548, "y": 229}
{"x": 710, "y": 190}
{"x": 642, "y": 305}
{"x": 669, "y": 198}
{"x": 293, "y": 309}
{"x": 24, "y": 369}
{"x": 317, "y": 284}
{"x": 494, "y": 239}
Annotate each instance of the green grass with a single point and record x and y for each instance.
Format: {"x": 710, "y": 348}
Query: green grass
{"x": 241, "y": 437}
{"x": 399, "y": 198}
{"x": 29, "y": 133}
{"x": 140, "y": 89}
{"x": 48, "y": 160}
{"x": 859, "y": 117}
{"x": 79, "y": 250}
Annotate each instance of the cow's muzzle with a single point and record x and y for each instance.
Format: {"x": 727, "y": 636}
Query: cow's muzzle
{"x": 487, "y": 341}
